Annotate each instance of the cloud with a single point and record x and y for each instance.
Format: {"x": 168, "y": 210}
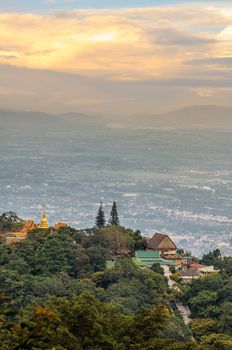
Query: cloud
{"x": 182, "y": 50}
{"x": 118, "y": 44}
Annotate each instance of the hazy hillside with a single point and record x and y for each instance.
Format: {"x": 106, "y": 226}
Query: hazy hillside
{"x": 212, "y": 117}
{"x": 24, "y": 122}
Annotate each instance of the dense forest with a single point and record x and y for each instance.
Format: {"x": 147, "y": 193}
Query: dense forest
{"x": 58, "y": 292}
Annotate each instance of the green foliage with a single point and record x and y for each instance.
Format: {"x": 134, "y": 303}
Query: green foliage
{"x": 55, "y": 293}
{"x": 203, "y": 326}
{"x": 211, "y": 258}
{"x": 218, "y": 341}
{"x": 9, "y": 221}
{"x": 204, "y": 304}
{"x": 210, "y": 301}
{"x": 157, "y": 268}
{"x": 176, "y": 276}
{"x": 100, "y": 218}
{"x": 137, "y": 241}
{"x": 84, "y": 323}
{"x": 224, "y": 265}
{"x": 116, "y": 236}
{"x": 114, "y": 220}
{"x": 172, "y": 269}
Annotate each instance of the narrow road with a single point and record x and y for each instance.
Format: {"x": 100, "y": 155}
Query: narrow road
{"x": 183, "y": 309}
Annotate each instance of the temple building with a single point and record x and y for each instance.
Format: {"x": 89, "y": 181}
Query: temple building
{"x": 44, "y": 222}
{"x": 15, "y": 237}
{"x": 161, "y": 243}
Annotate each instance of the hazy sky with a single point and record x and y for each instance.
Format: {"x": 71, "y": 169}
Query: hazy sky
{"x": 114, "y": 56}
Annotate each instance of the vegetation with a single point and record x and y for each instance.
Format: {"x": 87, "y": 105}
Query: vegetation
{"x": 100, "y": 218}
{"x": 210, "y": 301}
{"x": 9, "y": 222}
{"x": 56, "y": 294}
{"x": 114, "y": 220}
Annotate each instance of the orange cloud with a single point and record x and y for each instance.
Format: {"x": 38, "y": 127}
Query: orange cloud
{"x": 126, "y": 44}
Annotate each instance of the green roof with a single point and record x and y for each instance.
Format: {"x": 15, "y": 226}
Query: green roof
{"x": 147, "y": 254}
{"x": 167, "y": 262}
{"x": 149, "y": 262}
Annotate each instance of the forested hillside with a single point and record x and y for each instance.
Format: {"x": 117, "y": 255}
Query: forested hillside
{"x": 57, "y": 293}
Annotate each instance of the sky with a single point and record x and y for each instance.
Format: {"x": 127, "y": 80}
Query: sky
{"x": 114, "y": 57}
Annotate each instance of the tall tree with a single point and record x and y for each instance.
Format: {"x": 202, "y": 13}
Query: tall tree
{"x": 100, "y": 218}
{"x": 114, "y": 220}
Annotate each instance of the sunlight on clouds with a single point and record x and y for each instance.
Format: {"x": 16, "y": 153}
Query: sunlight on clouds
{"x": 103, "y": 37}
{"x": 125, "y": 44}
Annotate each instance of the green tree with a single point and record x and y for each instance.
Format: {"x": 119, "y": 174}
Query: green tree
{"x": 138, "y": 242}
{"x": 224, "y": 265}
{"x": 9, "y": 221}
{"x": 157, "y": 268}
{"x": 217, "y": 341}
{"x": 204, "y": 304}
{"x": 114, "y": 220}
{"x": 203, "y": 326}
{"x": 100, "y": 218}
{"x": 116, "y": 236}
{"x": 211, "y": 258}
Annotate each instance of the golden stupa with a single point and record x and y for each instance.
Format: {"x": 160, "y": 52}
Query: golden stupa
{"x": 44, "y": 222}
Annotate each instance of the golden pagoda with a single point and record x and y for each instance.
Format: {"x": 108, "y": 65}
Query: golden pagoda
{"x": 44, "y": 222}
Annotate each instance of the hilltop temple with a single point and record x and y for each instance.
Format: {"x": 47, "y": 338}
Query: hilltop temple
{"x": 15, "y": 237}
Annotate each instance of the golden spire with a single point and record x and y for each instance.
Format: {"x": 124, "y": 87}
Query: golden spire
{"x": 44, "y": 222}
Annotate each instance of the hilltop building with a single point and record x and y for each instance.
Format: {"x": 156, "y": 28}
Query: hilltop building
{"x": 15, "y": 237}
{"x": 166, "y": 247}
{"x": 161, "y": 243}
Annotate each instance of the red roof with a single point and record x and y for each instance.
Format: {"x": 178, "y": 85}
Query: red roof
{"x": 155, "y": 241}
{"x": 196, "y": 266}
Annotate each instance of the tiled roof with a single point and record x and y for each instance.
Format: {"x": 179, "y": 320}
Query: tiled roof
{"x": 60, "y": 225}
{"x": 189, "y": 273}
{"x": 29, "y": 225}
{"x": 155, "y": 241}
{"x": 197, "y": 266}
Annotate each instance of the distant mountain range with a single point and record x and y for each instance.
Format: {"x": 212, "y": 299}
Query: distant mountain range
{"x": 210, "y": 116}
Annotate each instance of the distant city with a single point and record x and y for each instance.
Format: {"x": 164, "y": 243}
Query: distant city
{"x": 172, "y": 181}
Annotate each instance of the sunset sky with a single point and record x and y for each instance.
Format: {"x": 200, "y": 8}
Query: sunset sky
{"x": 132, "y": 57}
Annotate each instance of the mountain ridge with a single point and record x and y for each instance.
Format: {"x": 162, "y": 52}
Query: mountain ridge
{"x": 195, "y": 116}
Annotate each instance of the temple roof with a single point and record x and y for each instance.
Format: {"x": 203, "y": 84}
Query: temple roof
{"x": 149, "y": 257}
{"x": 60, "y": 225}
{"x": 29, "y": 225}
{"x": 159, "y": 239}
